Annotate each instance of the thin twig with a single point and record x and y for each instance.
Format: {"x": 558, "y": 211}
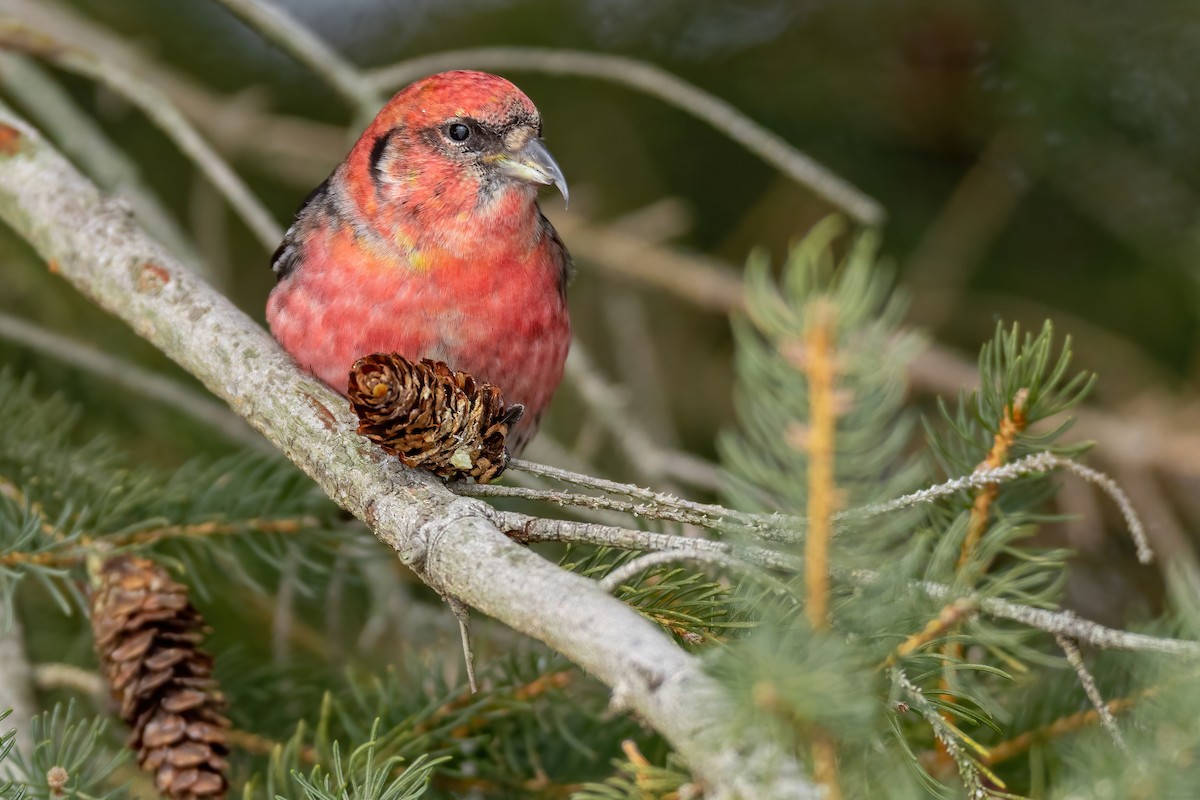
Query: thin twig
{"x": 298, "y": 150}
{"x": 649, "y": 509}
{"x": 651, "y": 460}
{"x": 700, "y": 280}
{"x": 622, "y": 574}
{"x": 950, "y": 615}
{"x": 132, "y": 377}
{"x": 527, "y": 530}
{"x": 656, "y": 82}
{"x": 277, "y": 25}
{"x": 657, "y": 505}
{"x": 1107, "y": 721}
{"x": 1032, "y": 464}
{"x": 950, "y": 738}
{"x": 53, "y": 675}
{"x": 81, "y": 138}
{"x": 1064, "y": 623}
{"x": 78, "y": 550}
{"x": 1107, "y": 485}
{"x": 1019, "y": 744}
{"x": 159, "y": 109}
{"x": 660, "y": 499}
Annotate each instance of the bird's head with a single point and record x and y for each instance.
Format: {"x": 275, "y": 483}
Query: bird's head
{"x": 451, "y": 144}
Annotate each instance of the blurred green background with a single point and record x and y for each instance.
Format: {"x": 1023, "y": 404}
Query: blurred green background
{"x": 1035, "y": 161}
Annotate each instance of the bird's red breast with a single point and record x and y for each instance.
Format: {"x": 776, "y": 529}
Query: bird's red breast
{"x": 428, "y": 241}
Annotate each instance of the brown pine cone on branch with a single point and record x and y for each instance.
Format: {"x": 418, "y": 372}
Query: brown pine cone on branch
{"x": 432, "y": 417}
{"x": 147, "y": 637}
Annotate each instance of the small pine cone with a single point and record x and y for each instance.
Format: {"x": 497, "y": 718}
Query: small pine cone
{"x": 432, "y": 417}
{"x": 148, "y": 636}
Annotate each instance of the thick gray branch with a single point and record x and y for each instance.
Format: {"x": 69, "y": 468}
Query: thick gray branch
{"x": 448, "y": 540}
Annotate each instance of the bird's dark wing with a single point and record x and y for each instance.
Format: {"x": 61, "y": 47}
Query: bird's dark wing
{"x": 561, "y": 255}
{"x": 284, "y": 259}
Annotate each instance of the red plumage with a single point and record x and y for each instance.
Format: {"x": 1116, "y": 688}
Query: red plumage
{"x": 433, "y": 246}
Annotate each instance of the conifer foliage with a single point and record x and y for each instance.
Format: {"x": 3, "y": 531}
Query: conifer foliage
{"x": 875, "y": 640}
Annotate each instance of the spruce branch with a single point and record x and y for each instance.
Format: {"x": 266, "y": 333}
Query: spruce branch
{"x": 1011, "y": 748}
{"x": 949, "y": 617}
{"x": 449, "y": 541}
{"x": 638, "y": 779}
{"x": 1107, "y": 721}
{"x": 712, "y": 514}
{"x": 85, "y": 545}
{"x": 1065, "y": 623}
{"x": 1012, "y": 423}
{"x": 969, "y": 756}
{"x": 818, "y": 363}
{"x": 132, "y": 377}
{"x": 526, "y": 530}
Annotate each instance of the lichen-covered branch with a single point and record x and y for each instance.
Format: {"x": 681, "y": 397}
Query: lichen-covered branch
{"x": 449, "y": 541}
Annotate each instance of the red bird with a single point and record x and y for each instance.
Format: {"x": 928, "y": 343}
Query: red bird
{"x": 428, "y": 241}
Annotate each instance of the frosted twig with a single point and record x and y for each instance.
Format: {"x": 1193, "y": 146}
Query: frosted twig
{"x": 277, "y": 25}
{"x": 787, "y": 528}
{"x": 953, "y": 739}
{"x": 1107, "y": 720}
{"x": 709, "y": 513}
{"x": 1064, "y": 623}
{"x": 656, "y": 82}
{"x": 1033, "y": 464}
{"x": 649, "y": 509}
{"x": 1109, "y": 487}
{"x": 132, "y": 377}
{"x": 158, "y": 108}
{"x": 527, "y": 529}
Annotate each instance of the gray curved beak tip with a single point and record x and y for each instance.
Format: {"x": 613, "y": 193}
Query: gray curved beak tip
{"x": 561, "y": 183}
{"x": 534, "y": 163}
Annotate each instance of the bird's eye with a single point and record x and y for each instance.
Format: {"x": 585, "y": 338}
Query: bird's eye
{"x": 458, "y": 132}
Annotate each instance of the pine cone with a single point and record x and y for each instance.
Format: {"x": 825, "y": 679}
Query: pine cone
{"x": 431, "y": 416}
{"x": 147, "y": 636}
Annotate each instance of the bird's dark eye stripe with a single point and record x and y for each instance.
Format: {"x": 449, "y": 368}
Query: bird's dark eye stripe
{"x": 377, "y": 151}
{"x": 458, "y": 132}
